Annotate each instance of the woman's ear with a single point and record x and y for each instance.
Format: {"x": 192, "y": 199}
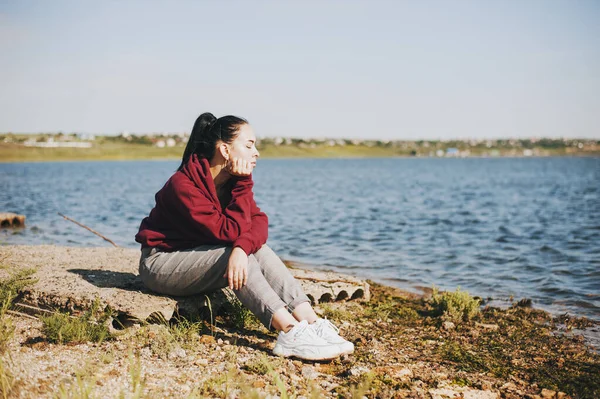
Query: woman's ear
{"x": 224, "y": 149}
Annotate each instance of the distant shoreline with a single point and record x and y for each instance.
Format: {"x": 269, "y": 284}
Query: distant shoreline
{"x": 73, "y": 147}
{"x": 21, "y": 161}
{"x": 14, "y": 153}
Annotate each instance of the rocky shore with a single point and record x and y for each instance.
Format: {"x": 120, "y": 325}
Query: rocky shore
{"x": 405, "y": 347}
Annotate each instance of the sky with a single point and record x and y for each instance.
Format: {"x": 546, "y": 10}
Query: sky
{"x": 391, "y": 70}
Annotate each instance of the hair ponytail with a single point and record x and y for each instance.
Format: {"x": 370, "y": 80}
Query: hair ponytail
{"x": 207, "y": 131}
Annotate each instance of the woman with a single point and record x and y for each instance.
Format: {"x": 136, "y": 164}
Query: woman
{"x": 206, "y": 233}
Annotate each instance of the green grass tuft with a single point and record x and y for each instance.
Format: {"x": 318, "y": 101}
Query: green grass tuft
{"x": 11, "y": 286}
{"x": 240, "y": 316}
{"x": 92, "y": 326}
{"x": 9, "y": 290}
{"x": 455, "y": 306}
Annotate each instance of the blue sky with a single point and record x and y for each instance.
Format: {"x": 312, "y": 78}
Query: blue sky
{"x": 355, "y": 69}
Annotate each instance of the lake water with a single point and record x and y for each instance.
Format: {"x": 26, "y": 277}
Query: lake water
{"x": 520, "y": 227}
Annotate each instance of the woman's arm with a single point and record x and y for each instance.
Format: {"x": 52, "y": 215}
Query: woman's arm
{"x": 203, "y": 212}
{"x": 251, "y": 240}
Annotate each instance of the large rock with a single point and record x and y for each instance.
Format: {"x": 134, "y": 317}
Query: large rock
{"x": 70, "y": 278}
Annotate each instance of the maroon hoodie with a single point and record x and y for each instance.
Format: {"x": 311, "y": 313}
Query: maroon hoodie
{"x": 188, "y": 213}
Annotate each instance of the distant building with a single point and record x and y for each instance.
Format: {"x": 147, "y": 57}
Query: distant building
{"x": 452, "y": 152}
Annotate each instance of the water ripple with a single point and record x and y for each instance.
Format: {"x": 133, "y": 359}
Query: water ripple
{"x": 496, "y": 227}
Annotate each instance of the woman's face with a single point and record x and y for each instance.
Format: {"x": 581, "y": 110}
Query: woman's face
{"x": 244, "y": 145}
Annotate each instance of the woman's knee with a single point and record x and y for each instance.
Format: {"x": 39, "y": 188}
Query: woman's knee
{"x": 267, "y": 258}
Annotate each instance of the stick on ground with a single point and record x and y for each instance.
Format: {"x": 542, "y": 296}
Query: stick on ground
{"x": 87, "y": 228}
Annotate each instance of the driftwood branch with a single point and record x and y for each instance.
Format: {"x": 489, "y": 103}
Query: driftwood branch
{"x": 87, "y": 228}
{"x": 20, "y": 314}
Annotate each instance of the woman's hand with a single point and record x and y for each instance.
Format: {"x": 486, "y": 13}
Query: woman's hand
{"x": 240, "y": 167}
{"x": 237, "y": 269}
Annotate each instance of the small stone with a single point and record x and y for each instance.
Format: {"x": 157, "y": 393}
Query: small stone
{"x": 309, "y": 373}
{"x": 145, "y": 352}
{"x": 219, "y": 341}
{"x": 207, "y": 339}
{"x": 485, "y": 386}
{"x": 561, "y": 395}
{"x": 201, "y": 362}
{"x": 548, "y": 393}
{"x": 523, "y": 303}
{"x": 448, "y": 325}
{"x": 329, "y": 386}
{"x": 358, "y": 370}
{"x": 488, "y": 327}
{"x": 404, "y": 374}
{"x": 227, "y": 347}
{"x": 509, "y": 386}
{"x": 440, "y": 376}
{"x": 176, "y": 353}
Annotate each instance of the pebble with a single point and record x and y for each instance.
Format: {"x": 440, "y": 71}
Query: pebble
{"x": 488, "y": 327}
{"x": 309, "y": 373}
{"x": 207, "y": 339}
{"x": 548, "y": 393}
{"x": 219, "y": 341}
{"x": 358, "y": 370}
{"x": 176, "y": 353}
{"x": 201, "y": 362}
{"x": 404, "y": 374}
{"x": 329, "y": 386}
{"x": 509, "y": 386}
{"x": 146, "y": 353}
{"x": 448, "y": 325}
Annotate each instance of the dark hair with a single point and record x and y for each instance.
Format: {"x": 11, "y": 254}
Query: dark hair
{"x": 207, "y": 131}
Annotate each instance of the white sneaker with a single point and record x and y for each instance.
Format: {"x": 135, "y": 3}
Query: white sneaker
{"x": 302, "y": 342}
{"x": 330, "y": 333}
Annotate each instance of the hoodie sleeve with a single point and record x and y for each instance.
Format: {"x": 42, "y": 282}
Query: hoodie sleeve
{"x": 251, "y": 240}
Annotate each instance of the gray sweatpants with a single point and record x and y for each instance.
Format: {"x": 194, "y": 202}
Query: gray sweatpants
{"x": 200, "y": 270}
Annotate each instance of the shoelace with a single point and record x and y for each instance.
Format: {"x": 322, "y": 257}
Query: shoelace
{"x": 303, "y": 328}
{"x": 324, "y": 324}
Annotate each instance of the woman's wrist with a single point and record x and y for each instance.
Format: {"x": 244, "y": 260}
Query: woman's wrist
{"x": 239, "y": 249}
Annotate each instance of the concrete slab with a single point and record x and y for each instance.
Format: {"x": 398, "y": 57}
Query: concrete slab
{"x": 71, "y": 278}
